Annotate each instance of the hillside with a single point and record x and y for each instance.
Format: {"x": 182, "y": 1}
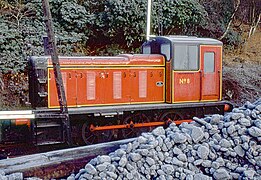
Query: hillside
{"x": 242, "y": 71}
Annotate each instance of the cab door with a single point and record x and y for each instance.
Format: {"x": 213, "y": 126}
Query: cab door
{"x": 186, "y": 73}
{"x": 210, "y": 72}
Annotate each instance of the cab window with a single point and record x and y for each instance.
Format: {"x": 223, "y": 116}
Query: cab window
{"x": 209, "y": 62}
{"x": 165, "y": 50}
{"x": 146, "y": 49}
{"x": 186, "y": 57}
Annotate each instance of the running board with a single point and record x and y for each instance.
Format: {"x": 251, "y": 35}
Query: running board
{"x": 12, "y": 115}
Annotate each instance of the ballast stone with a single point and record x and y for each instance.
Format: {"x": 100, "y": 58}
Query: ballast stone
{"x": 203, "y": 152}
{"x": 239, "y": 150}
{"x": 197, "y": 134}
{"x": 236, "y": 116}
{"x": 112, "y": 175}
{"x": 123, "y": 161}
{"x": 90, "y": 169}
{"x": 201, "y": 176}
{"x": 103, "y": 158}
{"x": 245, "y": 122}
{"x": 167, "y": 168}
{"x": 102, "y": 167}
{"x": 225, "y": 143}
{"x": 179, "y": 138}
{"x": 13, "y": 176}
{"x": 254, "y": 131}
{"x": 158, "y": 131}
{"x": 249, "y": 174}
{"x": 135, "y": 157}
{"x": 215, "y": 119}
{"x": 216, "y": 147}
{"x": 221, "y": 174}
{"x": 182, "y": 157}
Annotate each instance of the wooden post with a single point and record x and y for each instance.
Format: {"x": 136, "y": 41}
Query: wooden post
{"x": 57, "y": 71}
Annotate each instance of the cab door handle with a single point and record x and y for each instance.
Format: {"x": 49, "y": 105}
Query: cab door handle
{"x": 201, "y": 73}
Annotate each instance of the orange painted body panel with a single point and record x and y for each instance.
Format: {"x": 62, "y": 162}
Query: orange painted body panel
{"x": 123, "y": 79}
{"x": 168, "y": 82}
{"x": 211, "y": 81}
{"x": 21, "y": 122}
{"x": 82, "y": 84}
{"x": 69, "y": 81}
{"x": 120, "y": 60}
{"x": 186, "y": 86}
{"x": 103, "y": 86}
{"x": 143, "y": 85}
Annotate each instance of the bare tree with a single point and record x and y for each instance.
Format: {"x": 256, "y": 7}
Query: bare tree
{"x": 231, "y": 19}
{"x": 16, "y": 11}
{"x": 255, "y": 16}
{"x": 1, "y": 83}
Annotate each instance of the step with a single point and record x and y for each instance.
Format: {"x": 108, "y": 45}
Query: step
{"x": 48, "y": 125}
{"x": 47, "y": 143}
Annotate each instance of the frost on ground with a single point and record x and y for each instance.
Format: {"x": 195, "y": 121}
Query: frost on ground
{"x": 217, "y": 147}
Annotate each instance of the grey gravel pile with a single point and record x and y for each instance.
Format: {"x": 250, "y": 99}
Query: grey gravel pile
{"x": 216, "y": 147}
{"x": 14, "y": 176}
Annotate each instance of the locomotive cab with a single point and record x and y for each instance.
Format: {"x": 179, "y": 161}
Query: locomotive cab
{"x": 193, "y": 67}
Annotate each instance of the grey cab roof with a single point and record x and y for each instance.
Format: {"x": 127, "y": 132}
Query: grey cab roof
{"x": 189, "y": 39}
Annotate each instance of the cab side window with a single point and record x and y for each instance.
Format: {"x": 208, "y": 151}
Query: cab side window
{"x": 146, "y": 49}
{"x": 209, "y": 62}
{"x": 186, "y": 57}
{"x": 165, "y": 50}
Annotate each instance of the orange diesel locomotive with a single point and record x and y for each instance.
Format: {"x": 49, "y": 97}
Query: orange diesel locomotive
{"x": 174, "y": 79}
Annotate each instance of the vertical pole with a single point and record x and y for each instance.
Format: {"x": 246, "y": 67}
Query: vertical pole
{"x": 160, "y": 19}
{"x": 148, "y": 20}
{"x": 1, "y": 130}
{"x": 57, "y": 71}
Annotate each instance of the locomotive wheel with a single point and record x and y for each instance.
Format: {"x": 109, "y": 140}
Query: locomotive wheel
{"x": 106, "y": 135}
{"x": 132, "y": 119}
{"x": 92, "y": 137}
{"x": 168, "y": 117}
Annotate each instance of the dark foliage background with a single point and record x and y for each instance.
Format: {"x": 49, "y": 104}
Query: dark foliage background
{"x": 109, "y": 27}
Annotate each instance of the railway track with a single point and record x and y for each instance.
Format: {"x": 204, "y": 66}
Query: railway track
{"x": 59, "y": 163}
